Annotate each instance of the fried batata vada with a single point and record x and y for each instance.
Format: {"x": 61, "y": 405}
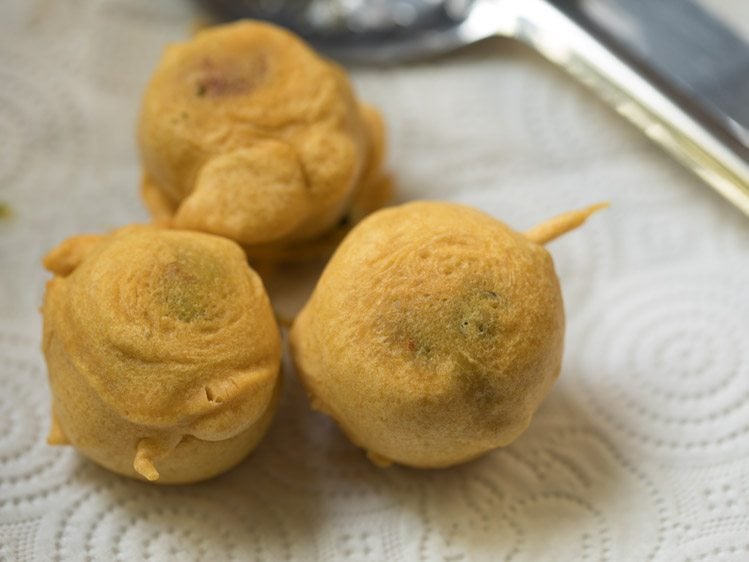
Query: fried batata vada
{"x": 162, "y": 351}
{"x": 247, "y": 133}
{"x": 434, "y": 332}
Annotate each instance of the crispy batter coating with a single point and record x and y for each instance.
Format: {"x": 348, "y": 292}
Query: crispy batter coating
{"x": 433, "y": 334}
{"x": 162, "y": 350}
{"x": 247, "y": 133}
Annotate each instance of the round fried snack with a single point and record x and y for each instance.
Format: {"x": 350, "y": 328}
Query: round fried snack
{"x": 162, "y": 351}
{"x": 434, "y": 333}
{"x": 247, "y": 133}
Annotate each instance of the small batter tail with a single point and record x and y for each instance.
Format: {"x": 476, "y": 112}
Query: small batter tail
{"x": 143, "y": 462}
{"x": 561, "y": 224}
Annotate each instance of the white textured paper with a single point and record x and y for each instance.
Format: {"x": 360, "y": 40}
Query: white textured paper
{"x": 641, "y": 452}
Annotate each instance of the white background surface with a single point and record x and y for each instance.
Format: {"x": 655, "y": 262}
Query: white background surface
{"x": 640, "y": 453}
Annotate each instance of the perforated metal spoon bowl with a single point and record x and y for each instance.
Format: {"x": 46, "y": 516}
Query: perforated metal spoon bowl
{"x": 670, "y": 68}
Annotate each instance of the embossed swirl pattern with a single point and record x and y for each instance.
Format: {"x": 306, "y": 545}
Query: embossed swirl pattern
{"x": 31, "y": 473}
{"x": 113, "y": 519}
{"x": 662, "y": 359}
{"x": 539, "y": 490}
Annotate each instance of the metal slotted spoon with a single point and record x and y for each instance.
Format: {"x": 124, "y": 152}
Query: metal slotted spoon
{"x": 669, "y": 67}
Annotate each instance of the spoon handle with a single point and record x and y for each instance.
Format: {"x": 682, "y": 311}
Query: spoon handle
{"x": 673, "y": 71}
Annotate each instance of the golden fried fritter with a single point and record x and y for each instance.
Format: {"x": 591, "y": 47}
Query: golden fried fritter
{"x": 162, "y": 350}
{"x": 247, "y": 133}
{"x": 434, "y": 332}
